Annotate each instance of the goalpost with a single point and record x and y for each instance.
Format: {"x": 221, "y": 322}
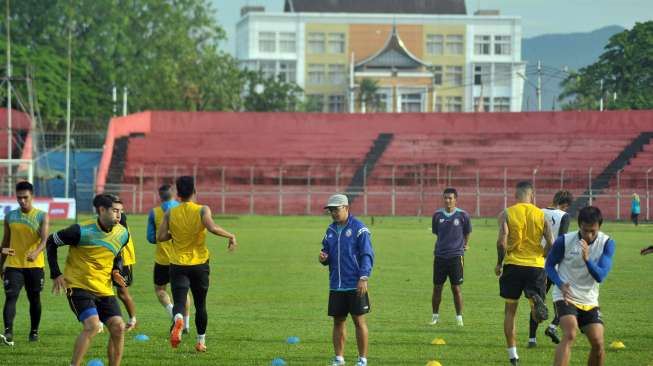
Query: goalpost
{"x": 13, "y": 171}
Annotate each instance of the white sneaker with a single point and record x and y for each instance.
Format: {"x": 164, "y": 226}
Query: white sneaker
{"x": 335, "y": 362}
{"x": 361, "y": 363}
{"x": 459, "y": 321}
{"x": 434, "y": 320}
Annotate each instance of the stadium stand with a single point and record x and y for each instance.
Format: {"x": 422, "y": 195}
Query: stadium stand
{"x": 286, "y": 163}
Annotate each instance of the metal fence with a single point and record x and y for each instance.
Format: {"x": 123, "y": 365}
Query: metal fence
{"x": 388, "y": 190}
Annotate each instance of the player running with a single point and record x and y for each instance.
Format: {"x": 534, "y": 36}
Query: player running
{"x": 93, "y": 261}
{"x": 520, "y": 261}
{"x": 162, "y": 253}
{"x": 578, "y": 262}
{"x": 558, "y": 218}
{"x": 186, "y": 226}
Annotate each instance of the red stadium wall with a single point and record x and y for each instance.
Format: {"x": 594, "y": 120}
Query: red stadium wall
{"x": 196, "y": 141}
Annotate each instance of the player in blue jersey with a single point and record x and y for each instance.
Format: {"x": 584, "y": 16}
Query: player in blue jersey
{"x": 453, "y": 227}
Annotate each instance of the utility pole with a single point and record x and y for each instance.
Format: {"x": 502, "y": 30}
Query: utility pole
{"x": 538, "y": 89}
{"x": 9, "y": 127}
{"x": 70, "y": 61}
{"x": 601, "y": 101}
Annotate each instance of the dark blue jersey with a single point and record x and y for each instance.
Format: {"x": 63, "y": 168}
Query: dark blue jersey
{"x": 451, "y": 229}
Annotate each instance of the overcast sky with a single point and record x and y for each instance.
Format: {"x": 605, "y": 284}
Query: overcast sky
{"x": 538, "y": 16}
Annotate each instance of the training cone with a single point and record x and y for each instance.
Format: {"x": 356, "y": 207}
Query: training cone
{"x": 293, "y": 340}
{"x": 438, "y": 341}
{"x": 433, "y": 363}
{"x": 617, "y": 345}
{"x": 95, "y": 362}
{"x": 278, "y": 362}
{"x": 142, "y": 338}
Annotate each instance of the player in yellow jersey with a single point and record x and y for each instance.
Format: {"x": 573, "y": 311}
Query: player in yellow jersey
{"x": 25, "y": 234}
{"x": 162, "y": 253}
{"x": 186, "y": 226}
{"x": 93, "y": 261}
{"x": 128, "y": 260}
{"x": 520, "y": 261}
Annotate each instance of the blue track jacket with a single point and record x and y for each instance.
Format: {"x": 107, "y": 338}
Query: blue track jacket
{"x": 350, "y": 254}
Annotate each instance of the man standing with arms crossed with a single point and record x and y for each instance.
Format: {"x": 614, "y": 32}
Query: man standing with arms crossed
{"x": 452, "y": 227}
{"x": 25, "y": 235}
{"x": 583, "y": 259}
{"x": 93, "y": 262}
{"x": 162, "y": 253}
{"x": 186, "y": 226}
{"x": 347, "y": 250}
{"x": 520, "y": 261}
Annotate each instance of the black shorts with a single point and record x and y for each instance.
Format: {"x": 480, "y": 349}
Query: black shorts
{"x": 582, "y": 317}
{"x": 196, "y": 276}
{"x": 16, "y": 278}
{"x": 161, "y": 274}
{"x": 448, "y": 267}
{"x": 633, "y": 215}
{"x": 342, "y": 303}
{"x": 85, "y": 304}
{"x": 128, "y": 274}
{"x": 517, "y": 279}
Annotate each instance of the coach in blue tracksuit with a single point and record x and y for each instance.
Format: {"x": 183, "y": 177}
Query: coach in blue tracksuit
{"x": 347, "y": 250}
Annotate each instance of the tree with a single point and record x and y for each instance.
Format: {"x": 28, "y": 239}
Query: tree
{"x": 270, "y": 94}
{"x": 626, "y": 70}
{"x": 165, "y": 52}
{"x": 367, "y": 94}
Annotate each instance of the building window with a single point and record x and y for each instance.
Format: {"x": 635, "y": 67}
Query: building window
{"x": 268, "y": 68}
{"x": 336, "y": 43}
{"x": 287, "y": 42}
{"x": 502, "y": 104}
{"x": 437, "y": 75}
{"x": 411, "y": 102}
{"x": 438, "y": 104}
{"x": 454, "y": 104}
{"x": 316, "y": 74}
{"x": 336, "y": 103}
{"x": 337, "y": 74}
{"x": 315, "y": 103}
{"x": 482, "y": 45}
{"x": 502, "y": 45}
{"x": 485, "y": 107}
{"x": 482, "y": 74}
{"x": 503, "y": 75}
{"x": 287, "y": 71}
{"x": 434, "y": 44}
{"x": 455, "y": 44}
{"x": 316, "y": 43}
{"x": 454, "y": 75}
{"x": 267, "y": 41}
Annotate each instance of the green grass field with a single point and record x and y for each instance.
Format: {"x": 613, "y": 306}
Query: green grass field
{"x": 272, "y": 287}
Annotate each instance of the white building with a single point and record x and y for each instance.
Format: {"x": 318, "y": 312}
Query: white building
{"x": 423, "y": 55}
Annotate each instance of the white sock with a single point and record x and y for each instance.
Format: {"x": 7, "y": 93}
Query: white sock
{"x": 436, "y": 316}
{"x": 459, "y": 318}
{"x": 552, "y": 326}
{"x": 201, "y": 338}
{"x": 178, "y": 316}
{"x": 532, "y": 340}
{"x": 363, "y": 360}
{"x": 187, "y": 321}
{"x": 340, "y": 358}
{"x": 132, "y": 320}
{"x": 512, "y": 352}
{"x": 169, "y": 309}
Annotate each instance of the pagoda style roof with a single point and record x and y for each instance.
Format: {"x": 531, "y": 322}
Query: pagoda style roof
{"x": 394, "y": 55}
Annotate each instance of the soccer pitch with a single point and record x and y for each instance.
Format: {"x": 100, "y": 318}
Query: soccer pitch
{"x": 273, "y": 287}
